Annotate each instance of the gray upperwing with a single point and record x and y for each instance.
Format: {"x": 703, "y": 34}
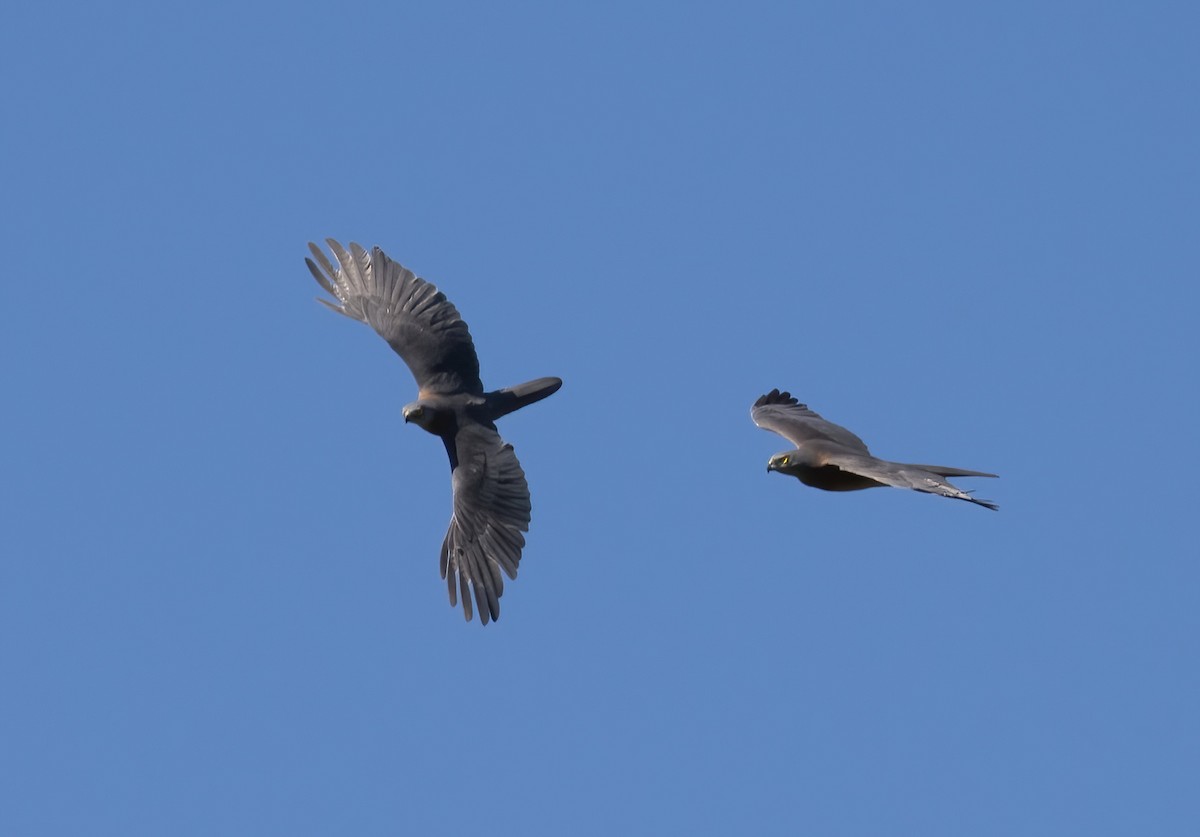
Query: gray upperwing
{"x": 780, "y": 413}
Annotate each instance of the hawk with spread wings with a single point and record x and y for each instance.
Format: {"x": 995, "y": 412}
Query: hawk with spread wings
{"x": 491, "y": 498}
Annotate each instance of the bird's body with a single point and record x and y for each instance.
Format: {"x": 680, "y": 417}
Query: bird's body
{"x": 491, "y": 497}
{"x": 830, "y": 457}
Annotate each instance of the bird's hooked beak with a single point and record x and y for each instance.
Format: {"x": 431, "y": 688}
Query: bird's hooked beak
{"x": 416, "y": 414}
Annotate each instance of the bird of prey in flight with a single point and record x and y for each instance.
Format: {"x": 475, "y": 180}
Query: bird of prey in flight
{"x": 831, "y": 457}
{"x": 491, "y": 497}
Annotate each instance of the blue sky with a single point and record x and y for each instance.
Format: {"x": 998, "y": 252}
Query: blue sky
{"x": 967, "y": 232}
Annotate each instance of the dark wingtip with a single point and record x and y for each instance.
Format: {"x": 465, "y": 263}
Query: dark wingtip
{"x": 776, "y": 396}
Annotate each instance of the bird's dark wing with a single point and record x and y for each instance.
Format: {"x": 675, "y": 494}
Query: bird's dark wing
{"x": 780, "y": 413}
{"x": 901, "y": 475}
{"x": 412, "y": 315}
{"x": 491, "y": 511}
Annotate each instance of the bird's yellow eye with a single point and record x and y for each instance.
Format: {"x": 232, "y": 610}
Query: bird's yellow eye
{"x": 783, "y": 460}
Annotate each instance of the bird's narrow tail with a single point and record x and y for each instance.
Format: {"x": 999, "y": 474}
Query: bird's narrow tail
{"x": 936, "y": 486}
{"x": 943, "y": 471}
{"x": 505, "y": 401}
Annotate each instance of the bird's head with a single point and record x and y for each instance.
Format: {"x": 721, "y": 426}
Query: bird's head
{"x": 418, "y": 414}
{"x": 783, "y": 462}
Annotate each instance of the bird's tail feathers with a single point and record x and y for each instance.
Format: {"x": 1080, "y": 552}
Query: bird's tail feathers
{"x": 935, "y": 486}
{"x": 505, "y": 401}
{"x": 943, "y": 471}
{"x": 987, "y": 504}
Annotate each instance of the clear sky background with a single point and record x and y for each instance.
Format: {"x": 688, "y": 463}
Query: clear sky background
{"x": 968, "y": 232}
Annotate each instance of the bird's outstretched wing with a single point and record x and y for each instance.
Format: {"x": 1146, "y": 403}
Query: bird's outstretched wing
{"x": 412, "y": 315}
{"x": 780, "y": 413}
{"x": 491, "y": 513}
{"x": 916, "y": 477}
